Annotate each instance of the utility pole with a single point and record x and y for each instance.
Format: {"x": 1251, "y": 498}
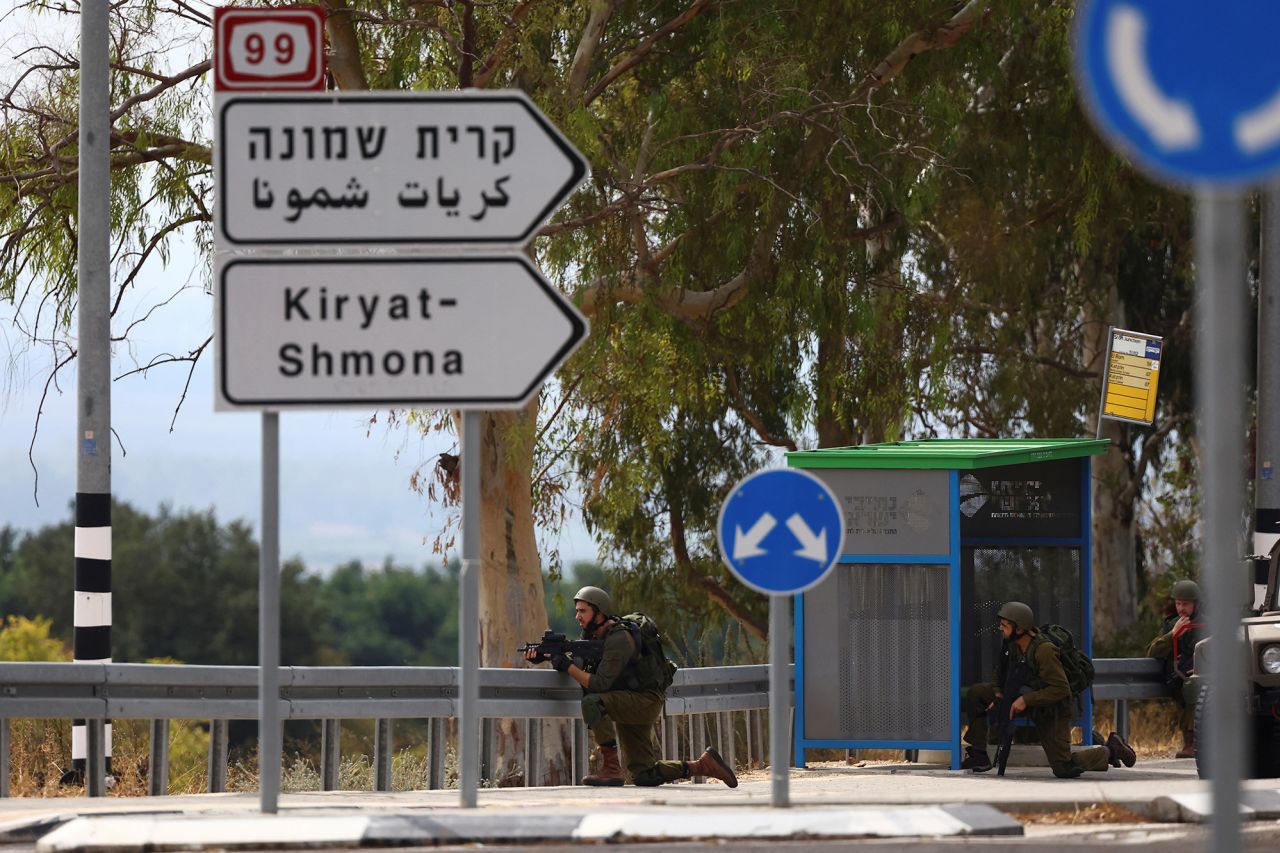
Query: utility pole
{"x": 1266, "y": 494}
{"x": 92, "y": 613}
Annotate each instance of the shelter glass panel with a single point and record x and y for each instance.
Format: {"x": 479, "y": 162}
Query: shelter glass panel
{"x": 878, "y": 654}
{"x": 1048, "y": 579}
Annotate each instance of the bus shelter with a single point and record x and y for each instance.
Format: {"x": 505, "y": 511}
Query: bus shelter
{"x": 938, "y": 534}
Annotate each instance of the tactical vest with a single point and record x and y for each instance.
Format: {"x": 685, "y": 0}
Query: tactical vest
{"x": 648, "y": 668}
{"x": 1034, "y": 681}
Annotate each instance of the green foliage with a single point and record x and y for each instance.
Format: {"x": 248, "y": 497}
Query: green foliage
{"x": 185, "y": 587}
{"x": 914, "y": 253}
{"x": 23, "y": 639}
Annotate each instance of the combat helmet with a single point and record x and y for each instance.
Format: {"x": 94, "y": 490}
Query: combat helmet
{"x": 596, "y": 597}
{"x": 1019, "y": 614}
{"x": 1185, "y": 590}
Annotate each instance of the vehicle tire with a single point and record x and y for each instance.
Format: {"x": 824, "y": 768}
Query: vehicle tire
{"x": 1202, "y": 729}
{"x": 1266, "y": 747}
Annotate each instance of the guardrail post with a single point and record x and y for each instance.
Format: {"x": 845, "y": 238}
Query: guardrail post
{"x": 1122, "y": 718}
{"x": 694, "y": 751}
{"x": 96, "y": 749}
{"x": 382, "y": 756}
{"x": 435, "y": 753}
{"x": 533, "y": 745}
{"x": 757, "y": 730}
{"x": 330, "y": 754}
{"x": 486, "y": 749}
{"x": 581, "y": 745}
{"x": 730, "y": 721}
{"x": 4, "y": 757}
{"x": 217, "y": 756}
{"x": 158, "y": 762}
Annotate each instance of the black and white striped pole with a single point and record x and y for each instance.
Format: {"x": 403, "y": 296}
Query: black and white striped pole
{"x": 91, "y": 739}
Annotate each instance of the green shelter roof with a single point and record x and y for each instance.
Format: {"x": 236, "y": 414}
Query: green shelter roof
{"x": 949, "y": 453}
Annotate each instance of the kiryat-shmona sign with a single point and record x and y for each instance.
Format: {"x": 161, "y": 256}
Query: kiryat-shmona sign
{"x": 389, "y": 168}
{"x": 478, "y": 331}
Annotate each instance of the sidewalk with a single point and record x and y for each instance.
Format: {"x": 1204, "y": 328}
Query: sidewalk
{"x": 881, "y": 800}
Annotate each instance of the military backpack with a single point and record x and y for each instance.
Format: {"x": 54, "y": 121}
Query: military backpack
{"x": 1075, "y": 663}
{"x": 650, "y": 668}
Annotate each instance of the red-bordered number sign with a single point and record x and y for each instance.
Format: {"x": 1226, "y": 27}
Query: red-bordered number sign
{"x": 267, "y": 49}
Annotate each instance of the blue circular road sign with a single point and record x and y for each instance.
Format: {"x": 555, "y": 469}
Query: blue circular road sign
{"x": 1189, "y": 90}
{"x": 780, "y": 531}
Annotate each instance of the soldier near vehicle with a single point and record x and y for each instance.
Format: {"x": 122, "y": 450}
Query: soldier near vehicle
{"x": 1176, "y": 645}
{"x": 1031, "y": 666}
{"x": 624, "y": 691}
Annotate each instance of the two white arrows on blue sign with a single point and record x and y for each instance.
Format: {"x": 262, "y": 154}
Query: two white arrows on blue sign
{"x": 772, "y": 562}
{"x": 813, "y": 546}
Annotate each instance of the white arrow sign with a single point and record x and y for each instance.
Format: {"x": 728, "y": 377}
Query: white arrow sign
{"x": 465, "y": 332}
{"x": 386, "y": 167}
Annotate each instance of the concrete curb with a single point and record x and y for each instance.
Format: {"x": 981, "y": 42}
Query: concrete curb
{"x": 1198, "y": 807}
{"x": 302, "y": 831}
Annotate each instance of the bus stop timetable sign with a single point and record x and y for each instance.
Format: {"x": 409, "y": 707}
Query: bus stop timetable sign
{"x": 780, "y": 531}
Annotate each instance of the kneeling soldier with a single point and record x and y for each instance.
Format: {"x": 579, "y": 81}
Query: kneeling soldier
{"x": 1046, "y": 699}
{"x": 622, "y": 698}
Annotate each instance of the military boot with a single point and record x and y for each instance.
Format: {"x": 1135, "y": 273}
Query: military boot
{"x": 1188, "y": 744}
{"x": 976, "y": 759}
{"x": 610, "y": 773}
{"x": 1118, "y": 750}
{"x": 711, "y": 764}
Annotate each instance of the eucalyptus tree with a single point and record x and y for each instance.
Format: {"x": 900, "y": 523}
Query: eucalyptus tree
{"x": 740, "y": 249}
{"x": 1049, "y": 237}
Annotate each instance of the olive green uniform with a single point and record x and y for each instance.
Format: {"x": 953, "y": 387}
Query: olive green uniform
{"x": 1048, "y": 706}
{"x": 1178, "y": 668}
{"x": 614, "y": 712}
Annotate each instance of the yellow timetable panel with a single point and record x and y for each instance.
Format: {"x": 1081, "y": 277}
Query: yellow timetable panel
{"x": 1133, "y": 372}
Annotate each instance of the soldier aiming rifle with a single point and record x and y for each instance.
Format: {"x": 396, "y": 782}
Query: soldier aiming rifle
{"x": 623, "y": 694}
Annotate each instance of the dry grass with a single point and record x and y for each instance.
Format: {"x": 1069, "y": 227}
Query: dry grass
{"x": 1091, "y": 814}
{"x": 41, "y": 751}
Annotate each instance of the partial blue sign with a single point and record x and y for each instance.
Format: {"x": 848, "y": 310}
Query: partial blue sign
{"x": 780, "y": 531}
{"x": 1189, "y": 90}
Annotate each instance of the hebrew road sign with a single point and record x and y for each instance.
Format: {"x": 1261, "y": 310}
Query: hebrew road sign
{"x": 1190, "y": 90}
{"x": 780, "y": 531}
{"x": 462, "y": 332}
{"x": 389, "y": 168}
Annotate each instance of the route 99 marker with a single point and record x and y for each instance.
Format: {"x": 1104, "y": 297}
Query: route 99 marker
{"x": 475, "y": 331}
{"x": 257, "y": 49}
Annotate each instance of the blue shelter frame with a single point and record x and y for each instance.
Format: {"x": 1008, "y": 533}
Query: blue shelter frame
{"x": 948, "y": 566}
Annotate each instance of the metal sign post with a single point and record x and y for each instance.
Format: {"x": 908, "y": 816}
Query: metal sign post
{"x": 1188, "y": 91}
{"x": 398, "y": 171}
{"x": 780, "y": 532}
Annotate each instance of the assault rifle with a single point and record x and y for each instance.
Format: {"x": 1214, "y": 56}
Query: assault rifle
{"x": 582, "y": 651}
{"x": 1015, "y": 684}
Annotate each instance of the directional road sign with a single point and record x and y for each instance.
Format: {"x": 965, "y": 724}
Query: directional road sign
{"x": 259, "y": 49}
{"x": 389, "y": 168}
{"x": 465, "y": 332}
{"x": 1189, "y": 90}
{"x": 780, "y": 531}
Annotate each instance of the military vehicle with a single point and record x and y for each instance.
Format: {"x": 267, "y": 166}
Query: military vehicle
{"x": 1261, "y": 632}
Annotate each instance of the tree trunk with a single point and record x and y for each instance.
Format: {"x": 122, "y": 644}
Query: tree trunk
{"x": 1115, "y": 576}
{"x": 1114, "y": 552}
{"x": 512, "y": 606}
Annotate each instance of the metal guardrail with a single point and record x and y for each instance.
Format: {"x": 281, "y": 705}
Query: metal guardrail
{"x": 160, "y": 693}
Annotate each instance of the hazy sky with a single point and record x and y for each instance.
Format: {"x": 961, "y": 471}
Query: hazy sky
{"x": 344, "y": 485}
